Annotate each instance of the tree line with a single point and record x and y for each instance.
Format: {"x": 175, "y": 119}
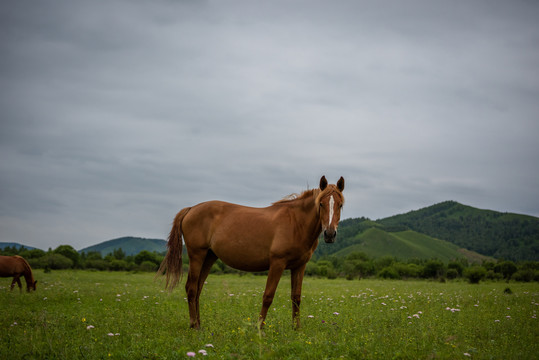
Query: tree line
{"x": 66, "y": 257}
{"x": 356, "y": 265}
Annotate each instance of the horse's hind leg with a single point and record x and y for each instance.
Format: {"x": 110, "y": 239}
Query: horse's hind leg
{"x": 211, "y": 258}
{"x": 196, "y": 262}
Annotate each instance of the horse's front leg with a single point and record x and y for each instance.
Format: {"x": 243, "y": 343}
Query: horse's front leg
{"x": 16, "y": 279}
{"x": 297, "y": 281}
{"x": 274, "y": 275}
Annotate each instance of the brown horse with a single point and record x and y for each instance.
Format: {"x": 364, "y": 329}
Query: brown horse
{"x": 281, "y": 236}
{"x": 16, "y": 266}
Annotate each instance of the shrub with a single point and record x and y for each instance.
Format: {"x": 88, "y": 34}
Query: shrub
{"x": 389, "y": 272}
{"x": 457, "y": 266}
{"x": 97, "y": 264}
{"x": 526, "y": 275}
{"x": 324, "y": 267}
{"x": 384, "y": 262}
{"x": 433, "y": 269}
{"x": 332, "y": 274}
{"x": 119, "y": 265}
{"x": 311, "y": 269}
{"x": 70, "y": 253}
{"x": 145, "y": 255}
{"x": 475, "y": 274}
{"x": 407, "y": 270}
{"x": 52, "y": 261}
{"x": 491, "y": 275}
{"x": 452, "y": 274}
{"x": 148, "y": 266}
{"x": 506, "y": 268}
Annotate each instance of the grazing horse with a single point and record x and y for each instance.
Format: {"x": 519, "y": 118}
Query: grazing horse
{"x": 16, "y": 266}
{"x": 281, "y": 236}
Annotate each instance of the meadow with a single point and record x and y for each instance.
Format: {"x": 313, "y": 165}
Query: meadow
{"x": 121, "y": 315}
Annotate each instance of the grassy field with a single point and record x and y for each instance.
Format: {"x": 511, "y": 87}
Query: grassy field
{"x": 102, "y": 315}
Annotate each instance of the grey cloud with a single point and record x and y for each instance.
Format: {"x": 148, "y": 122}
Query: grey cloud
{"x": 115, "y": 115}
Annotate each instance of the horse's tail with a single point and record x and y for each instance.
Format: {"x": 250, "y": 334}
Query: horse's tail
{"x": 172, "y": 263}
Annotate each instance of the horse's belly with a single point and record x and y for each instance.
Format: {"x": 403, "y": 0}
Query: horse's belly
{"x": 243, "y": 258}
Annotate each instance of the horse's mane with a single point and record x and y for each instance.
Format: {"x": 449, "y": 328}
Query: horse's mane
{"x": 298, "y": 197}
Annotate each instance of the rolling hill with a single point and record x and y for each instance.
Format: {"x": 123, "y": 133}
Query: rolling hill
{"x": 376, "y": 242}
{"x": 406, "y": 245}
{"x": 444, "y": 231}
{"x": 129, "y": 245}
{"x": 501, "y": 235}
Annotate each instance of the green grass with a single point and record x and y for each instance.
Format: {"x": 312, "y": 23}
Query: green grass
{"x": 368, "y": 319}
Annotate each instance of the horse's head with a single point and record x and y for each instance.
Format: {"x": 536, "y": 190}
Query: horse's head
{"x": 31, "y": 286}
{"x": 330, "y": 202}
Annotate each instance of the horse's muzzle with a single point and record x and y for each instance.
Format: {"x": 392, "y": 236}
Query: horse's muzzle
{"x": 330, "y": 236}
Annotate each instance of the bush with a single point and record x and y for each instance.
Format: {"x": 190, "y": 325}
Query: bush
{"x": 457, "y": 266}
{"x": 383, "y": 262}
{"x": 97, "y": 264}
{"x": 433, "y": 269}
{"x": 389, "y": 272}
{"x": 475, "y": 274}
{"x": 311, "y": 269}
{"x": 452, "y": 274}
{"x": 355, "y": 268}
{"x": 145, "y": 255}
{"x": 148, "y": 266}
{"x": 407, "y": 270}
{"x": 70, "y": 253}
{"x": 52, "y": 261}
{"x": 526, "y": 275}
{"x": 119, "y": 265}
{"x": 506, "y": 268}
{"x": 491, "y": 275}
{"x": 324, "y": 268}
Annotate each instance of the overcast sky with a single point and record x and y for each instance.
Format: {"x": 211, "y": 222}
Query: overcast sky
{"x": 117, "y": 114}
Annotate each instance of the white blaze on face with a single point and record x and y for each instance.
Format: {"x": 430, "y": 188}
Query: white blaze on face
{"x": 331, "y": 206}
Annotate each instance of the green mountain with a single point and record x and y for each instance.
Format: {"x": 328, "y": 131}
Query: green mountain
{"x": 500, "y": 235}
{"x": 447, "y": 230}
{"x": 375, "y": 240}
{"x": 129, "y": 245}
{"x": 14, "y": 245}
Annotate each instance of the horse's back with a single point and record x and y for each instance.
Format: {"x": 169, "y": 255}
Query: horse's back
{"x": 239, "y": 235}
{"x": 10, "y": 266}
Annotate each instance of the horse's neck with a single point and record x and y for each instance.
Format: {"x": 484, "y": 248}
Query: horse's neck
{"x": 28, "y": 276}
{"x": 313, "y": 224}
{"x": 27, "y": 272}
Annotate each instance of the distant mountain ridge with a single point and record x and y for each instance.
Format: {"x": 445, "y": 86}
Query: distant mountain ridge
{"x": 130, "y": 245}
{"x": 501, "y": 235}
{"x": 445, "y": 231}
{"x": 16, "y": 245}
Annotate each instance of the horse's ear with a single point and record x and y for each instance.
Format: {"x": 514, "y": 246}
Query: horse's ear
{"x": 340, "y": 184}
{"x": 323, "y": 183}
